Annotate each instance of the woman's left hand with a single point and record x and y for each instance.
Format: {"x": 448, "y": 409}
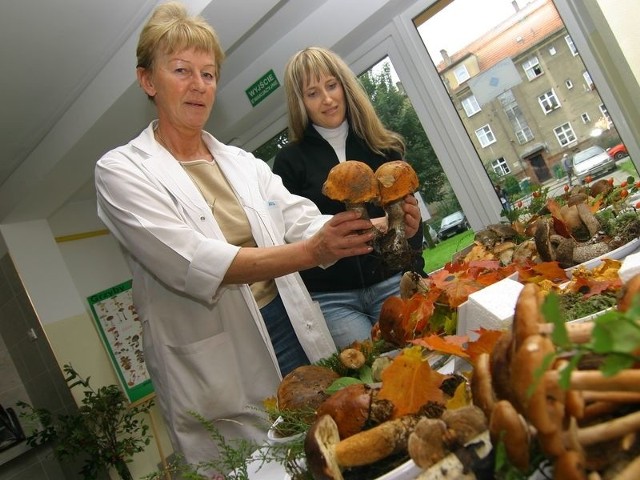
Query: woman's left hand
{"x": 411, "y": 215}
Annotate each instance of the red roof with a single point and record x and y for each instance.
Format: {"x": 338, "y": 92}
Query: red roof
{"x": 520, "y": 32}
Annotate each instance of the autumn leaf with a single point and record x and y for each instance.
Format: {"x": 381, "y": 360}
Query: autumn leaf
{"x": 409, "y": 383}
{"x": 451, "y": 344}
{"x": 483, "y": 344}
{"x": 461, "y": 397}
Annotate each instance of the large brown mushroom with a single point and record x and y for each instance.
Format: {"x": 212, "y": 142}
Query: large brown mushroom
{"x": 396, "y": 180}
{"x": 353, "y": 183}
{"x": 303, "y": 389}
{"x": 327, "y": 455}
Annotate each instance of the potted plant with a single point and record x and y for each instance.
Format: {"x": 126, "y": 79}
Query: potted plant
{"x": 106, "y": 430}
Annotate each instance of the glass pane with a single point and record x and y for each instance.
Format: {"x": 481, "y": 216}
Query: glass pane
{"x": 521, "y": 91}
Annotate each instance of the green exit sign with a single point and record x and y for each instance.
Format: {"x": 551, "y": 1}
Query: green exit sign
{"x": 262, "y": 88}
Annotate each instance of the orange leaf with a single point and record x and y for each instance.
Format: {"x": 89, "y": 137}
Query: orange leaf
{"x": 409, "y": 383}
{"x": 484, "y": 343}
{"x": 450, "y": 344}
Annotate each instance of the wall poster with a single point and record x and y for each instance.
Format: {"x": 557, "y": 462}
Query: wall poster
{"x": 121, "y": 332}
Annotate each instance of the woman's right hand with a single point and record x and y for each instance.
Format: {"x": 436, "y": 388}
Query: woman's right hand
{"x": 345, "y": 235}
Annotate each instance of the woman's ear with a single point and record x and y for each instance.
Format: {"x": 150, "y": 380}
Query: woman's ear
{"x": 145, "y": 81}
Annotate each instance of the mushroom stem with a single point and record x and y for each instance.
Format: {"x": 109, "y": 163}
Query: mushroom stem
{"x": 625, "y": 380}
{"x": 377, "y": 443}
{"x": 611, "y": 396}
{"x": 579, "y": 332}
{"x": 601, "y": 432}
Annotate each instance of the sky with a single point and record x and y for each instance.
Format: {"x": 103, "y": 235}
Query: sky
{"x": 463, "y": 21}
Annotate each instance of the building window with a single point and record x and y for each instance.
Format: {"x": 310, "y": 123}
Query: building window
{"x": 552, "y": 50}
{"x": 461, "y": 74}
{"x": 532, "y": 68}
{"x": 514, "y": 113}
{"x": 548, "y": 101}
{"x": 605, "y": 112}
{"x": 585, "y": 117}
{"x": 500, "y": 167}
{"x": 485, "y": 136}
{"x": 587, "y": 80}
{"x": 564, "y": 134}
{"x": 470, "y": 105}
{"x": 524, "y": 135}
{"x": 569, "y": 84}
{"x": 572, "y": 46}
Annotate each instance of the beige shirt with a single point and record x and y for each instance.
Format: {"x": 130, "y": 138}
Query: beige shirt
{"x": 229, "y": 214}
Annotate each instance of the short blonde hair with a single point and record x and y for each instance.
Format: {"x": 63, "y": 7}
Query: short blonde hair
{"x": 311, "y": 63}
{"x": 171, "y": 29}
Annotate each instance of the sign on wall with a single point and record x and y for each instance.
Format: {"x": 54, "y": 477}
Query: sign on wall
{"x": 262, "y": 88}
{"x": 121, "y": 332}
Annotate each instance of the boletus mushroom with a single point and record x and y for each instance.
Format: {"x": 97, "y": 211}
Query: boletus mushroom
{"x": 353, "y": 183}
{"x": 303, "y": 389}
{"x": 396, "y": 180}
{"x": 327, "y": 455}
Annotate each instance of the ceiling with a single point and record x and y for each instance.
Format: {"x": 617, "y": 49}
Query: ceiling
{"x": 69, "y": 94}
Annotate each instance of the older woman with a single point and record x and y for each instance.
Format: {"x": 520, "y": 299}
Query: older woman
{"x": 214, "y": 242}
{"x": 331, "y": 119}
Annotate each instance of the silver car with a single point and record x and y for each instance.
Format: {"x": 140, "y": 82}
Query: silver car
{"x": 593, "y": 161}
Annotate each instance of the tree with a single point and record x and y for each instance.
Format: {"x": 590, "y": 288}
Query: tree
{"x": 397, "y": 114}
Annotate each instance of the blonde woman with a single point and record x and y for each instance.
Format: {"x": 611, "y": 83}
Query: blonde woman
{"x": 332, "y": 120}
{"x": 214, "y": 242}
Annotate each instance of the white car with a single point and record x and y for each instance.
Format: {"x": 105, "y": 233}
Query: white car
{"x": 593, "y": 161}
{"x": 452, "y": 225}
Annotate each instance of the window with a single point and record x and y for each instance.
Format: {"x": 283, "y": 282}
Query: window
{"x": 485, "y": 136}
{"x": 605, "y": 112}
{"x": 587, "y": 80}
{"x": 569, "y": 84}
{"x": 461, "y": 74}
{"x": 524, "y": 135}
{"x": 564, "y": 134}
{"x": 548, "y": 101}
{"x": 585, "y": 117}
{"x": 532, "y": 68}
{"x": 470, "y": 105}
{"x": 514, "y": 113}
{"x": 500, "y": 167}
{"x": 552, "y": 51}
{"x": 572, "y": 47}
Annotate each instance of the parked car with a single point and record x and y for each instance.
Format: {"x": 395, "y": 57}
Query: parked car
{"x": 452, "y": 225}
{"x": 593, "y": 161}
{"x": 618, "y": 151}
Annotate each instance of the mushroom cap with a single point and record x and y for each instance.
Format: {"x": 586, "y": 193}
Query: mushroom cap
{"x": 319, "y": 449}
{"x": 351, "y": 181}
{"x": 304, "y": 387}
{"x": 396, "y": 179}
{"x": 508, "y": 426}
{"x": 349, "y": 408}
{"x": 629, "y": 291}
{"x": 426, "y": 444}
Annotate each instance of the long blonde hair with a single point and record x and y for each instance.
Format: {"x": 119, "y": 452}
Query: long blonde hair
{"x": 312, "y": 62}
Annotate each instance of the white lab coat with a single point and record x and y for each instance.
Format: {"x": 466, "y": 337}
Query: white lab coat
{"x": 206, "y": 346}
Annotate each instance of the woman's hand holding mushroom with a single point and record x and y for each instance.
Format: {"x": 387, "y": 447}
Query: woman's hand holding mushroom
{"x": 344, "y": 235}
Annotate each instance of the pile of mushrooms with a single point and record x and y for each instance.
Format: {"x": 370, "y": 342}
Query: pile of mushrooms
{"x": 354, "y": 428}
{"x": 355, "y": 184}
{"x": 582, "y": 430}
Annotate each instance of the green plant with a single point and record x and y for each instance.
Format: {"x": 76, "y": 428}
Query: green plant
{"x": 106, "y": 430}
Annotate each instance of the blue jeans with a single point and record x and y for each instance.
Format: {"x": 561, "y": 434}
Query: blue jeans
{"x": 350, "y": 314}
{"x": 288, "y": 350}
